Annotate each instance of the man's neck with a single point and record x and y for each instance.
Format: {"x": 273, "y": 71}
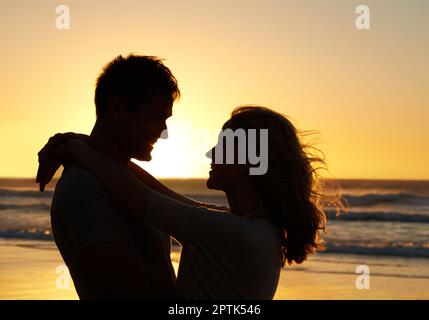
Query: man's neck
{"x": 105, "y": 142}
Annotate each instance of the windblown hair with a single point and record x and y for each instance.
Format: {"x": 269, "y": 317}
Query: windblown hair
{"x": 293, "y": 194}
{"x": 135, "y": 79}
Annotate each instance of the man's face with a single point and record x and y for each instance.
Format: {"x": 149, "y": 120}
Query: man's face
{"x": 144, "y": 126}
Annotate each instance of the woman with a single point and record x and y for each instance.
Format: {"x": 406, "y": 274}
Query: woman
{"x": 274, "y": 218}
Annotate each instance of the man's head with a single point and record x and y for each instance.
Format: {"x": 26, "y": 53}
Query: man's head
{"x": 133, "y": 99}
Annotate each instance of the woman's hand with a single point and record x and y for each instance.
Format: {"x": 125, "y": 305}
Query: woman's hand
{"x": 215, "y": 207}
{"x": 57, "y": 139}
{"x": 53, "y": 154}
{"x": 49, "y": 164}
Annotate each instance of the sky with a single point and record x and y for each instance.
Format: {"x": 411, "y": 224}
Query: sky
{"x": 364, "y": 91}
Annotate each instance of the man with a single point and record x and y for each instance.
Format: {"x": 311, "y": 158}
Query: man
{"x": 111, "y": 254}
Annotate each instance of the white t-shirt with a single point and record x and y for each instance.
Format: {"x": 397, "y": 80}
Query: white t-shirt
{"x": 224, "y": 256}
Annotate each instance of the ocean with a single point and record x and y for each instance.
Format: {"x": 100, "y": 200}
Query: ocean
{"x": 385, "y": 218}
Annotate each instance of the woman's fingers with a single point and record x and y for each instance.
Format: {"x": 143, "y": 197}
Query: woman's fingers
{"x": 45, "y": 172}
{"x": 51, "y": 156}
{"x": 49, "y": 160}
{"x": 52, "y": 142}
{"x": 57, "y": 139}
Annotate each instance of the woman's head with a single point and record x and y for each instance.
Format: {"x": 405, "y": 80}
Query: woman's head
{"x": 226, "y": 170}
{"x": 292, "y": 195}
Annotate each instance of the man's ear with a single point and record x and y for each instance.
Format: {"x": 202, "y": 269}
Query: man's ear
{"x": 115, "y": 106}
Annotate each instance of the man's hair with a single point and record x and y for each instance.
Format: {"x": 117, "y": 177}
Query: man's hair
{"x": 135, "y": 79}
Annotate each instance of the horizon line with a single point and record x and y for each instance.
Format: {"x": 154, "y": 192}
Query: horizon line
{"x": 204, "y": 178}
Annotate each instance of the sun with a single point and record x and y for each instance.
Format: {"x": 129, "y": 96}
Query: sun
{"x": 182, "y": 154}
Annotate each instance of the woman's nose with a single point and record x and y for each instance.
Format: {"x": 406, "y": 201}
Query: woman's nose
{"x": 209, "y": 153}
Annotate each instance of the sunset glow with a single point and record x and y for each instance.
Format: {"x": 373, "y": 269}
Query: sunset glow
{"x": 364, "y": 91}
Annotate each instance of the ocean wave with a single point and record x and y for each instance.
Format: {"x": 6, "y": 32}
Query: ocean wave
{"x": 25, "y": 207}
{"x": 364, "y": 200}
{"x": 379, "y": 216}
{"x": 407, "y": 250}
{"x": 370, "y": 199}
{"x": 367, "y": 199}
{"x": 397, "y": 251}
{"x": 25, "y": 193}
{"x": 29, "y": 234}
{"x": 356, "y": 214}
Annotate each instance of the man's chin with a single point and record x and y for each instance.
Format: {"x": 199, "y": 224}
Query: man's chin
{"x": 143, "y": 153}
{"x": 143, "y": 156}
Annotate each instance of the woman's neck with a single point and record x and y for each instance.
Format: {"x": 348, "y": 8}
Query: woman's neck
{"x": 244, "y": 200}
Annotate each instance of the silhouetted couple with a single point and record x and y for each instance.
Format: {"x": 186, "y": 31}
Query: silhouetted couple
{"x": 112, "y": 221}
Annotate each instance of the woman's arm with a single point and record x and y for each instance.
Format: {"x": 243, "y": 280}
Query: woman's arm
{"x": 141, "y": 174}
{"x": 182, "y": 221}
{"x": 173, "y": 217}
{"x": 156, "y": 185}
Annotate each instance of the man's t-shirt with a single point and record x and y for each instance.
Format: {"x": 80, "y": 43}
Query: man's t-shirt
{"x": 83, "y": 214}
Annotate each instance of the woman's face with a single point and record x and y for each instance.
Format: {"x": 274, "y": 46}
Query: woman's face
{"x": 223, "y": 176}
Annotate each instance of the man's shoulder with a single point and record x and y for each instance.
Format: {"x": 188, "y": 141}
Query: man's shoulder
{"x": 75, "y": 181}
{"x": 79, "y": 194}
{"x": 77, "y": 173}
{"x": 83, "y": 212}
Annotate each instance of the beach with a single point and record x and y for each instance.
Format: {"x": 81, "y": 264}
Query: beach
{"x": 34, "y": 270}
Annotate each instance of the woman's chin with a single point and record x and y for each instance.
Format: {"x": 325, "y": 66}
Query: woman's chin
{"x": 211, "y": 183}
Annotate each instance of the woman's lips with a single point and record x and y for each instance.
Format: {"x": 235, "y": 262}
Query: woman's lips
{"x": 212, "y": 169}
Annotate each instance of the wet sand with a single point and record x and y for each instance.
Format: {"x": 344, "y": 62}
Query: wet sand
{"x": 34, "y": 270}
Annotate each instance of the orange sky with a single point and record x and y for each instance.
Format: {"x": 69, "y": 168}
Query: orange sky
{"x": 365, "y": 91}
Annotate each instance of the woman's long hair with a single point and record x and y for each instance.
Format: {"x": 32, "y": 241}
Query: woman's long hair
{"x": 293, "y": 195}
